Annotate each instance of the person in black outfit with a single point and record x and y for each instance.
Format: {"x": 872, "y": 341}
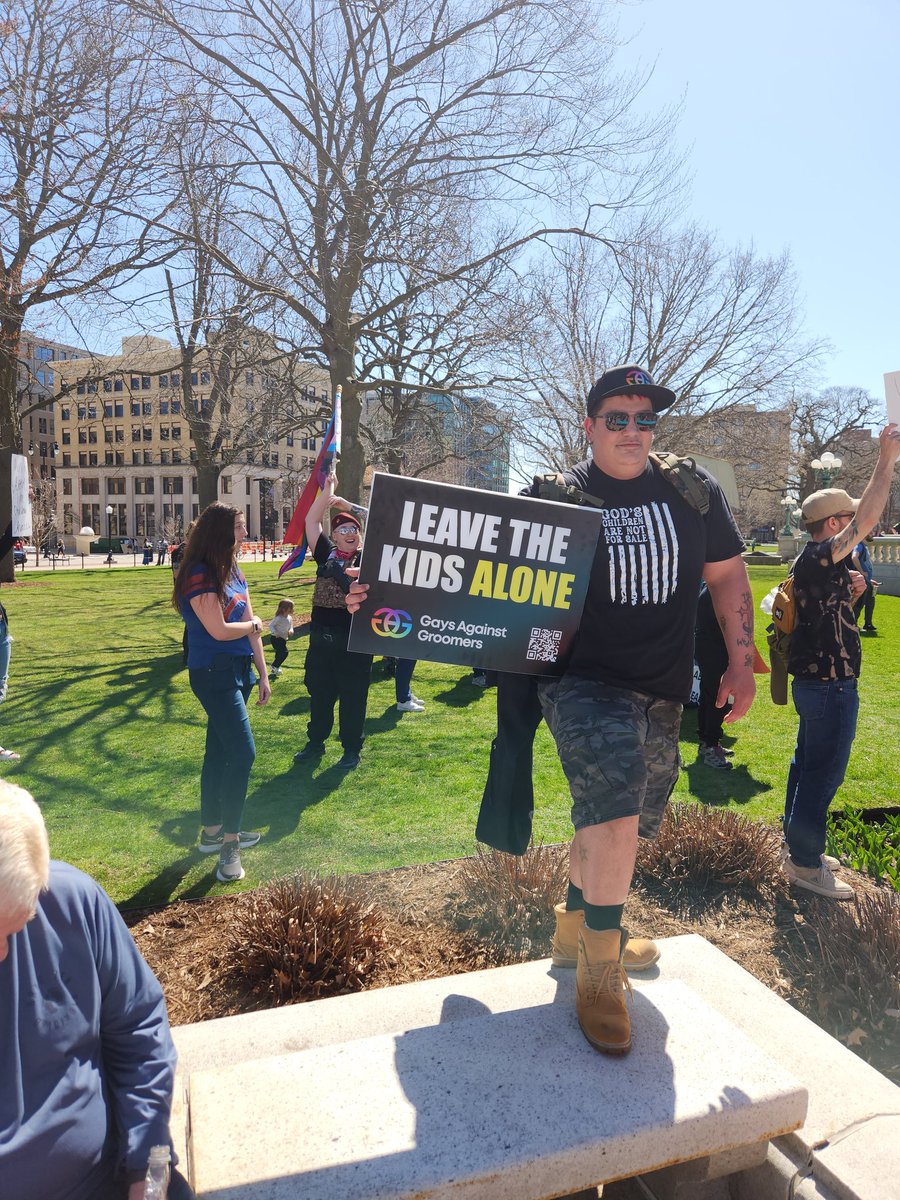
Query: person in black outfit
{"x": 711, "y": 656}
{"x": 334, "y": 675}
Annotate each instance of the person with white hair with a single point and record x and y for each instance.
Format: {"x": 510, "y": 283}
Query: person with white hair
{"x": 86, "y": 1056}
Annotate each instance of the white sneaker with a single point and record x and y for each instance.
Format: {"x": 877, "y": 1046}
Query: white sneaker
{"x": 819, "y": 880}
{"x": 833, "y": 864}
{"x": 411, "y": 705}
{"x": 275, "y": 672}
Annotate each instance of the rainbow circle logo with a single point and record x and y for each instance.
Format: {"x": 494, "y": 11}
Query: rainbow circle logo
{"x": 640, "y": 378}
{"x": 392, "y": 623}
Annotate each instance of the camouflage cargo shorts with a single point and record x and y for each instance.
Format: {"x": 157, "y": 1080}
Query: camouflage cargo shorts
{"x": 618, "y": 749}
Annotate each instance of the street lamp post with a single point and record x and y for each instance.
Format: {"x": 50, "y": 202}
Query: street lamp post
{"x": 789, "y": 504}
{"x": 826, "y": 469}
{"x": 109, "y": 557}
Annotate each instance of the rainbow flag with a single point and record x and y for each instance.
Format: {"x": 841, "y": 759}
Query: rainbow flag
{"x": 296, "y": 530}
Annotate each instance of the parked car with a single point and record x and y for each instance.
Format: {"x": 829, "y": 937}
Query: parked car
{"x": 20, "y": 556}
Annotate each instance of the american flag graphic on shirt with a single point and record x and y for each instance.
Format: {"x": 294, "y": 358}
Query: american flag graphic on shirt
{"x": 642, "y": 546}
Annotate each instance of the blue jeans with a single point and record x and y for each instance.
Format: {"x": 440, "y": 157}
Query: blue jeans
{"x": 403, "y": 678}
{"x": 5, "y": 649}
{"x": 828, "y": 712}
{"x": 224, "y": 689}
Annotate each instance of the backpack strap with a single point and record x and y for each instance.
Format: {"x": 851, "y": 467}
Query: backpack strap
{"x": 553, "y": 486}
{"x": 684, "y": 477}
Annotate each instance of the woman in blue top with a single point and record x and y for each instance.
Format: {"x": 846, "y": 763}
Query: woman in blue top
{"x": 224, "y": 642}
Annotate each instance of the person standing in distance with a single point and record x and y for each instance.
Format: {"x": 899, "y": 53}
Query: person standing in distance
{"x": 223, "y": 645}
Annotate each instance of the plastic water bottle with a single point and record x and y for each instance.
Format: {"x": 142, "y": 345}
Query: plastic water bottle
{"x": 156, "y": 1183}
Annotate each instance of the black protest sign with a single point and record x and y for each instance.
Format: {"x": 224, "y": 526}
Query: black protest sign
{"x": 464, "y": 576}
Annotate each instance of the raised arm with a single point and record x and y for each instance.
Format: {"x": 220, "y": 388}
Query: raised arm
{"x": 732, "y": 599}
{"x": 318, "y": 509}
{"x": 874, "y": 498}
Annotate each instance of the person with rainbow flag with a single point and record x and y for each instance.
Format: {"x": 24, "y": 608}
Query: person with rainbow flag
{"x": 334, "y": 674}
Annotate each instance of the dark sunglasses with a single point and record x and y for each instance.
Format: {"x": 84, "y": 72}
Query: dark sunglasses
{"x": 616, "y": 421}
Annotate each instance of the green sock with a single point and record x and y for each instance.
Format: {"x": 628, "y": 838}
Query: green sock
{"x": 603, "y": 916}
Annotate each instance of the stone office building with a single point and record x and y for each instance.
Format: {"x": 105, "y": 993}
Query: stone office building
{"x": 125, "y": 441}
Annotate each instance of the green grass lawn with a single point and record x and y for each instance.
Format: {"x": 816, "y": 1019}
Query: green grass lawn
{"x": 111, "y": 740}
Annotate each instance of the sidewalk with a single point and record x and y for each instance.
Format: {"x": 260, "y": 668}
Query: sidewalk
{"x": 78, "y": 562}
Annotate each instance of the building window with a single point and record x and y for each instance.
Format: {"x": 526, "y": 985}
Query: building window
{"x": 67, "y": 487}
{"x": 108, "y": 436}
{"x": 172, "y": 485}
{"x": 176, "y": 408}
{"x": 120, "y": 409}
{"x": 176, "y": 379}
{"x": 135, "y": 408}
{"x": 92, "y": 412}
{"x": 148, "y": 434}
{"x": 135, "y": 458}
{"x": 164, "y": 457}
{"x": 107, "y": 385}
{"x": 143, "y": 485}
{"x": 135, "y": 383}
{"x": 163, "y": 433}
{"x": 145, "y": 382}
{"x": 176, "y": 433}
{"x": 65, "y": 413}
{"x": 147, "y": 408}
{"x": 82, "y": 437}
{"x": 67, "y": 459}
{"x": 80, "y": 389}
{"x": 90, "y": 515}
{"x": 90, "y": 487}
{"x": 176, "y": 458}
{"x": 120, "y": 458}
{"x": 107, "y": 410}
{"x": 115, "y": 486}
{"x": 120, "y": 434}
{"x": 163, "y": 408}
{"x": 148, "y": 458}
{"x": 204, "y": 377}
{"x": 144, "y": 520}
{"x": 92, "y": 458}
{"x": 68, "y": 519}
{"x": 226, "y": 485}
{"x": 118, "y": 385}
{"x": 163, "y": 381}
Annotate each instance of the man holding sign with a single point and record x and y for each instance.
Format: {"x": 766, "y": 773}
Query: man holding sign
{"x": 615, "y": 712}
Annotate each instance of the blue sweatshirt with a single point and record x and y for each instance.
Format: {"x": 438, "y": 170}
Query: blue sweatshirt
{"x": 87, "y": 1061}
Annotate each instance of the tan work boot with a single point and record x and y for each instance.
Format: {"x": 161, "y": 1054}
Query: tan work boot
{"x": 640, "y": 953}
{"x": 600, "y": 983}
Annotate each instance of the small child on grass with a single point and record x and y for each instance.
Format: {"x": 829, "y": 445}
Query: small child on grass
{"x": 281, "y": 627}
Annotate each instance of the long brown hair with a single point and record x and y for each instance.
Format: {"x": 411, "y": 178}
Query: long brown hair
{"x": 210, "y": 544}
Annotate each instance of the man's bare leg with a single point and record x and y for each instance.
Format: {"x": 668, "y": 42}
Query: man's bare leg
{"x": 601, "y": 860}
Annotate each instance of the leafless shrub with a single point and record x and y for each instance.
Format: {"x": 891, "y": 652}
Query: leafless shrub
{"x": 706, "y": 856}
{"x": 848, "y": 965}
{"x": 508, "y": 899}
{"x": 304, "y": 938}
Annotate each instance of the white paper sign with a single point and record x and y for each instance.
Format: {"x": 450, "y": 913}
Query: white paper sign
{"x": 892, "y": 395}
{"x": 21, "y": 499}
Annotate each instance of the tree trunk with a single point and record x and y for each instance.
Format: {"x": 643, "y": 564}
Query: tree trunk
{"x": 207, "y": 483}
{"x": 10, "y": 432}
{"x": 353, "y": 460}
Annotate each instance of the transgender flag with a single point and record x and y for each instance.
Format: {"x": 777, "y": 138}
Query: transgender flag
{"x": 331, "y": 448}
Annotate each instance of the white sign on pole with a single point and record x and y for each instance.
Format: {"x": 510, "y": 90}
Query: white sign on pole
{"x": 21, "y": 497}
{"x": 892, "y": 395}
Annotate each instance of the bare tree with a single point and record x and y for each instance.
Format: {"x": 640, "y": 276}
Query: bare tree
{"x": 258, "y": 387}
{"x": 79, "y": 118}
{"x": 340, "y": 110}
{"x": 721, "y": 328}
{"x": 825, "y": 421}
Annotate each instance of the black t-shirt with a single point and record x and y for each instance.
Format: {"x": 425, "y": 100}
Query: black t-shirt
{"x": 637, "y": 629}
{"x": 825, "y": 643}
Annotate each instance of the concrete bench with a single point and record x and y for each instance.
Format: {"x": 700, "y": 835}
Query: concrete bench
{"x": 480, "y": 1085}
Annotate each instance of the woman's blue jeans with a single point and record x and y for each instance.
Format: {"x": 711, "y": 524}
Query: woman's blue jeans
{"x": 224, "y": 689}
{"x": 828, "y": 713}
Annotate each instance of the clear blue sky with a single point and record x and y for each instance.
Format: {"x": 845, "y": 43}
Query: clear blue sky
{"x": 790, "y": 126}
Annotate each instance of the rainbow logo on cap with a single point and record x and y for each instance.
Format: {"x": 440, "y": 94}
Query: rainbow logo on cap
{"x": 638, "y": 377}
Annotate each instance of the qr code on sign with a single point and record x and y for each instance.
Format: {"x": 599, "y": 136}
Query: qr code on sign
{"x": 543, "y": 645}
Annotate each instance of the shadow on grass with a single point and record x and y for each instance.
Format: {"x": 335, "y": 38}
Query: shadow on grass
{"x": 713, "y": 787}
{"x": 464, "y": 692}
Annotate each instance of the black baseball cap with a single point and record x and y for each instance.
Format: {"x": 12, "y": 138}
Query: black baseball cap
{"x": 628, "y": 381}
